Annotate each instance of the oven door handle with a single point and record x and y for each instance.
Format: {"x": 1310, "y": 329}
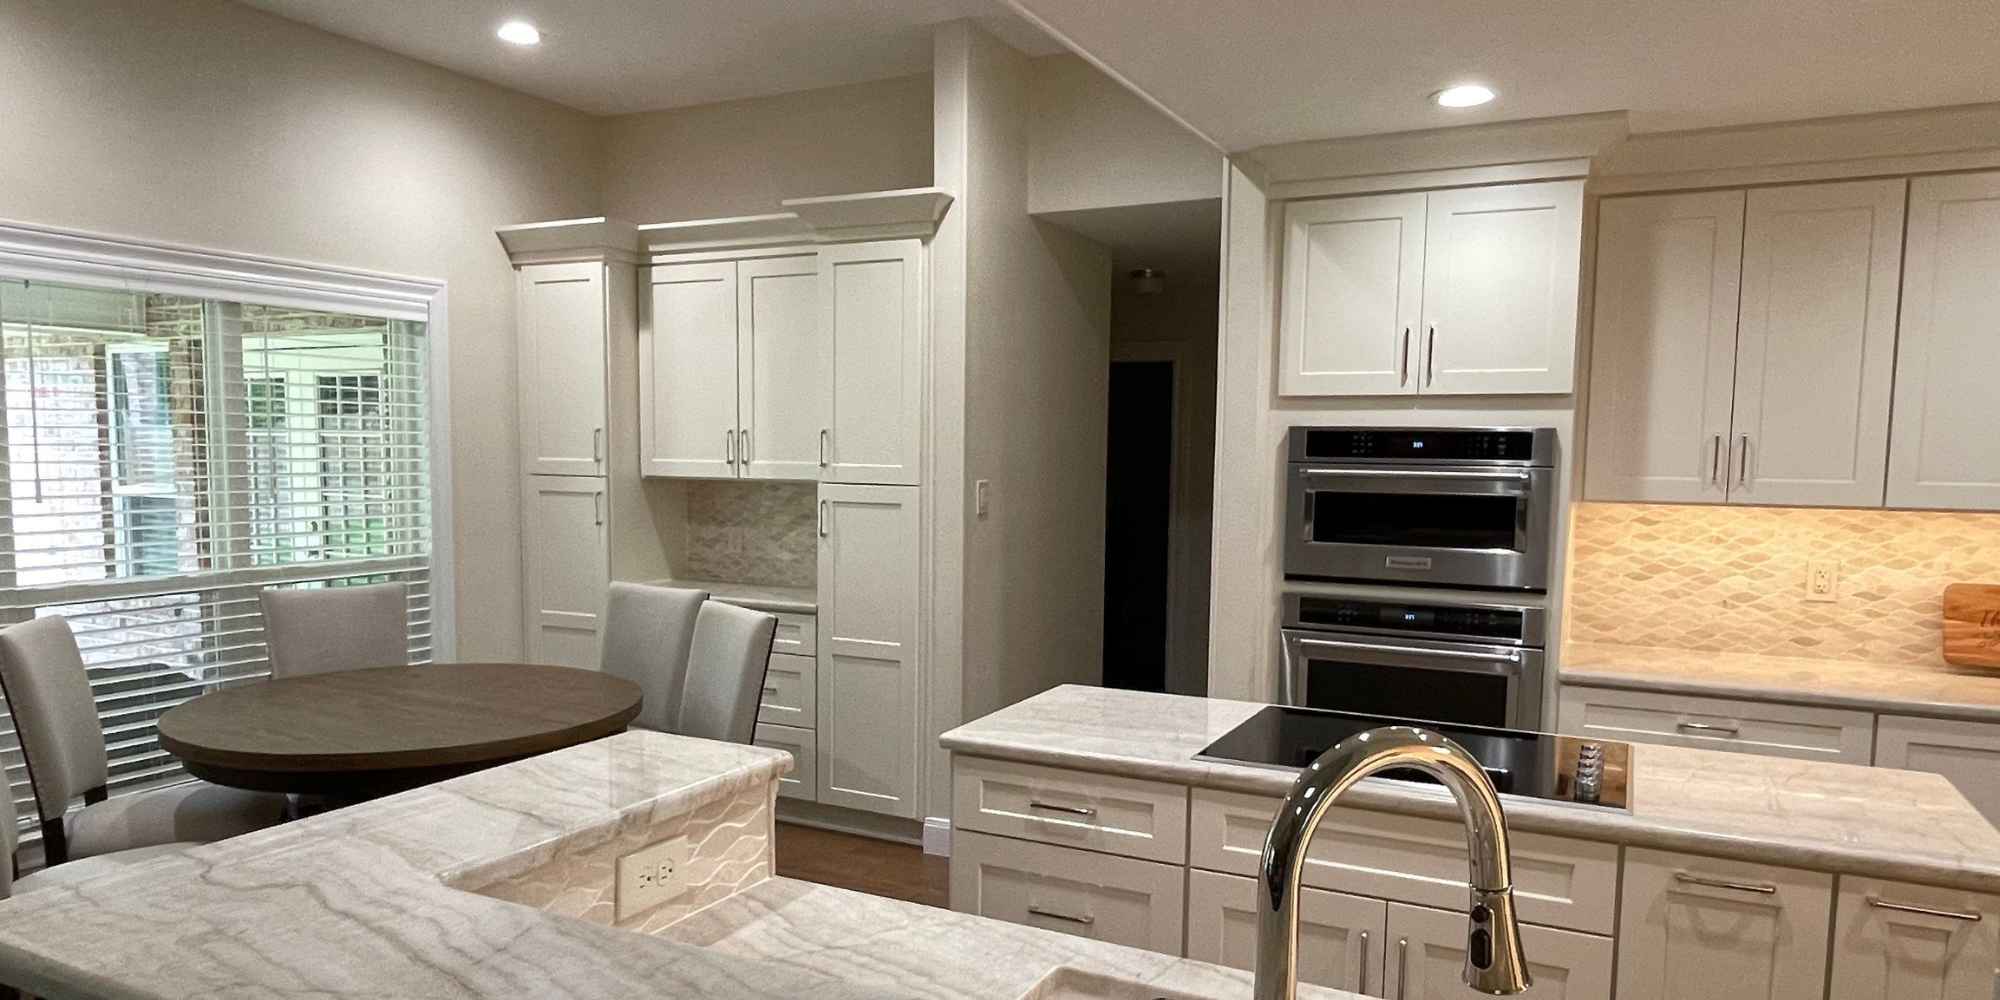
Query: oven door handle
{"x": 1513, "y": 656}
{"x": 1512, "y": 475}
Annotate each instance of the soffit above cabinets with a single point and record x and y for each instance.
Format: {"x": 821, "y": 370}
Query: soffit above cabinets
{"x": 868, "y": 215}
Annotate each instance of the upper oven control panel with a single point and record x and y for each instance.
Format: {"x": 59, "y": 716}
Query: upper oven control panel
{"x": 1425, "y": 445}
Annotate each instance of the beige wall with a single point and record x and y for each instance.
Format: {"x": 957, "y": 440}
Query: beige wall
{"x": 1094, "y": 144}
{"x": 207, "y": 123}
{"x": 741, "y": 157}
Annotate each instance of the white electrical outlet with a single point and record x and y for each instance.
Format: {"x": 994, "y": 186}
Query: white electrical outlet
{"x": 1822, "y": 579}
{"x": 650, "y": 876}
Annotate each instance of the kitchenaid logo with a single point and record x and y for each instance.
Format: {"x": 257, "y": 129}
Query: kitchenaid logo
{"x": 1407, "y": 562}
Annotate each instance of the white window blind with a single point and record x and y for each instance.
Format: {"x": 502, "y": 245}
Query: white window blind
{"x": 167, "y": 457}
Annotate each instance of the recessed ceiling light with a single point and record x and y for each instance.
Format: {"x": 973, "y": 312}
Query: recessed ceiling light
{"x": 1465, "y": 95}
{"x": 520, "y": 33}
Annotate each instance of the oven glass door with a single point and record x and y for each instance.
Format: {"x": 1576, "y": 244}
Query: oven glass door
{"x": 1471, "y": 510}
{"x": 1458, "y": 683}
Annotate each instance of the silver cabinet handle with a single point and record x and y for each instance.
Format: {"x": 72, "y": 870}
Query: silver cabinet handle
{"x": 597, "y": 506}
{"x": 729, "y": 446}
{"x": 769, "y": 689}
{"x": 1052, "y": 807}
{"x": 1404, "y": 366}
{"x": 822, "y": 519}
{"x": 1522, "y": 475}
{"x": 1705, "y": 727}
{"x": 1760, "y": 888}
{"x": 1743, "y": 463}
{"x": 1086, "y": 920}
{"x": 1715, "y": 462}
{"x": 1361, "y": 971}
{"x": 744, "y": 437}
{"x": 1968, "y": 916}
{"x": 1431, "y": 358}
{"x": 822, "y": 447}
{"x": 1402, "y": 967}
{"x": 597, "y": 445}
{"x": 1377, "y": 647}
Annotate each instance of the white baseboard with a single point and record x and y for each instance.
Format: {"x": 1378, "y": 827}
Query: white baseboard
{"x": 937, "y": 836}
{"x": 840, "y": 820}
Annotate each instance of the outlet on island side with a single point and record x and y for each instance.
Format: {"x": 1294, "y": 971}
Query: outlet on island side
{"x": 1822, "y": 579}
{"x": 650, "y": 876}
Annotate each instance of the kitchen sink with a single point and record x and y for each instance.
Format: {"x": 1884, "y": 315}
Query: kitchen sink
{"x": 1066, "y": 983}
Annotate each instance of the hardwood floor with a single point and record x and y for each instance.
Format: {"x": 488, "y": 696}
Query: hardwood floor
{"x": 878, "y": 867}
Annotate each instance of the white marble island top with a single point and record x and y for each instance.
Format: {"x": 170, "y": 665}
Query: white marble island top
{"x": 1903, "y": 825}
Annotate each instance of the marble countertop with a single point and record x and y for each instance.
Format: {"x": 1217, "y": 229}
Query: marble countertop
{"x": 1896, "y": 688}
{"x": 761, "y": 596}
{"x": 1903, "y": 825}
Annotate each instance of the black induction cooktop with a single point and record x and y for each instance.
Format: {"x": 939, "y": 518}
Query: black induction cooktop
{"x": 1536, "y": 765}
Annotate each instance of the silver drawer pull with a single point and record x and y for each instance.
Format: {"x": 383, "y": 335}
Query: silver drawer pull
{"x": 1086, "y": 920}
{"x": 1760, "y": 888}
{"x": 1878, "y": 901}
{"x": 1071, "y": 810}
{"x": 770, "y": 689}
{"x": 1703, "y": 727}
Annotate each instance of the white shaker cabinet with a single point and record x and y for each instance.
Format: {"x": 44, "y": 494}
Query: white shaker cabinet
{"x": 1816, "y": 343}
{"x": 1354, "y": 289}
{"x": 1968, "y": 753}
{"x": 1340, "y": 936}
{"x": 872, "y": 350}
{"x": 778, "y": 398}
{"x": 688, "y": 381}
{"x": 560, "y": 335}
{"x": 1501, "y": 266}
{"x": 1893, "y": 942}
{"x": 566, "y": 564}
{"x": 869, "y": 742}
{"x": 1943, "y": 451}
{"x": 1424, "y": 959}
{"x": 1695, "y": 928}
{"x": 1663, "y": 357}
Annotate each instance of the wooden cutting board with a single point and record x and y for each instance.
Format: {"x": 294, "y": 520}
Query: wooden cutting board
{"x": 1972, "y": 625}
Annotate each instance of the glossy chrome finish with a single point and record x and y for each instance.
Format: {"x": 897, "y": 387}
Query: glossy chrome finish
{"x": 822, "y": 447}
{"x": 1431, "y": 358}
{"x": 1493, "y": 960}
{"x": 1760, "y": 888}
{"x": 1524, "y": 667}
{"x": 822, "y": 519}
{"x": 1704, "y": 727}
{"x": 1404, "y": 378}
{"x": 1069, "y": 810}
{"x": 1086, "y": 920}
{"x": 1968, "y": 916}
{"x": 1715, "y": 462}
{"x": 729, "y": 446}
{"x": 1743, "y": 463}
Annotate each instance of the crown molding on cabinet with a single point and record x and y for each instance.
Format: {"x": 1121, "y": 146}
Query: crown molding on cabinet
{"x": 1452, "y": 153}
{"x": 734, "y": 231}
{"x": 566, "y": 240}
{"x": 840, "y": 218}
{"x": 1425, "y": 180}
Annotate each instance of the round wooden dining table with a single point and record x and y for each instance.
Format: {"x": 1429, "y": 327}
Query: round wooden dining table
{"x": 359, "y": 734}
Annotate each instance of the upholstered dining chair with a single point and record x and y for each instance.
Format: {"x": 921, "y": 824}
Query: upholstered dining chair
{"x": 48, "y": 691}
{"x": 647, "y": 633}
{"x": 324, "y": 629}
{"x": 69, "y": 874}
{"x": 726, "y": 667}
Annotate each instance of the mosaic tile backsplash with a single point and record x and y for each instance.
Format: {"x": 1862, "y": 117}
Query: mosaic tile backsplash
{"x": 1711, "y": 578}
{"x": 753, "y": 532}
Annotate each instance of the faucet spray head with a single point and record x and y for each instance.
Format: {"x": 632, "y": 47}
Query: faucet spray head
{"x": 1494, "y": 964}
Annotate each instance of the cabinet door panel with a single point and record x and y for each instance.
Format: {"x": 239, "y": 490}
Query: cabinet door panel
{"x": 1816, "y": 343}
{"x": 1942, "y": 449}
{"x": 802, "y": 744}
{"x": 871, "y": 324}
{"x": 1680, "y": 939}
{"x": 1500, "y": 283}
{"x": 562, "y": 369}
{"x": 563, "y": 542}
{"x": 1340, "y": 936}
{"x": 779, "y": 367}
{"x": 1425, "y": 959}
{"x": 1353, "y": 296}
{"x": 1663, "y": 346}
{"x": 868, "y": 721}
{"x": 1968, "y": 753}
{"x": 1885, "y": 947}
{"x": 688, "y": 380}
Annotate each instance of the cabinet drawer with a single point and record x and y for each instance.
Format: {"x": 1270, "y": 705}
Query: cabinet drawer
{"x": 1340, "y": 936}
{"x": 803, "y": 745}
{"x": 1719, "y": 724}
{"x": 1967, "y": 753}
{"x": 1892, "y": 940}
{"x": 1694, "y": 926}
{"x": 1557, "y": 880}
{"x": 1425, "y": 959}
{"x": 1140, "y": 819}
{"x": 797, "y": 634}
{"x": 791, "y": 691}
{"x": 1119, "y": 900}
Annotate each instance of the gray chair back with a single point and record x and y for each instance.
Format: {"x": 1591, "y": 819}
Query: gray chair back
{"x": 10, "y": 835}
{"x": 732, "y": 651}
{"x": 647, "y": 633}
{"x": 324, "y": 629}
{"x": 48, "y": 692}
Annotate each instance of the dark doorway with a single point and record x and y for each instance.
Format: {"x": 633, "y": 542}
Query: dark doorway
{"x": 1137, "y": 497}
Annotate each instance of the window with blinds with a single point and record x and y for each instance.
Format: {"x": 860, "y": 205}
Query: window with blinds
{"x": 168, "y": 457}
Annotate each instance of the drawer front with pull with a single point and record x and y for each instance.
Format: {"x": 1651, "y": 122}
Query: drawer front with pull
{"x": 1099, "y": 812}
{"x": 1120, "y": 900}
{"x": 1704, "y": 723}
{"x": 791, "y": 692}
{"x": 1340, "y": 936}
{"x": 803, "y": 745}
{"x": 1424, "y": 959}
{"x": 1892, "y": 941}
{"x": 797, "y": 634}
{"x": 1692, "y": 926}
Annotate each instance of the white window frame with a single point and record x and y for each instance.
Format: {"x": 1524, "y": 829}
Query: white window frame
{"x": 43, "y": 253}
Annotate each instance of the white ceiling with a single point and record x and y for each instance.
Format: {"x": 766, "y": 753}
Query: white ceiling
{"x": 1274, "y": 71}
{"x": 618, "y": 56}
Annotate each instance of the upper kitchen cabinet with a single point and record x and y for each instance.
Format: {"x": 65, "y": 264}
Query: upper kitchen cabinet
{"x": 1663, "y": 364}
{"x": 1816, "y": 343}
{"x": 872, "y": 321}
{"x": 1466, "y": 291}
{"x": 561, "y": 338}
{"x": 731, "y": 377}
{"x": 1942, "y": 448}
{"x": 1768, "y": 388}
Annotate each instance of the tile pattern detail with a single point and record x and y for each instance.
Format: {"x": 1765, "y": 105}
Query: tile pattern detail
{"x": 732, "y": 842}
{"x": 752, "y": 532}
{"x": 1716, "y": 579}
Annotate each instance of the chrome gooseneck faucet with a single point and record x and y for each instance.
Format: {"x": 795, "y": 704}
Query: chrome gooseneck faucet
{"x": 1493, "y": 960}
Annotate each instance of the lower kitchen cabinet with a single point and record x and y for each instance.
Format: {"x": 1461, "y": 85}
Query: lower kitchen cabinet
{"x": 1968, "y": 753}
{"x": 1340, "y": 936}
{"x": 1696, "y": 928}
{"x": 1120, "y": 900}
{"x": 566, "y": 566}
{"x": 1425, "y": 959}
{"x": 869, "y": 724}
{"x": 803, "y": 745}
{"x": 1845, "y": 736}
{"x": 1893, "y": 941}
